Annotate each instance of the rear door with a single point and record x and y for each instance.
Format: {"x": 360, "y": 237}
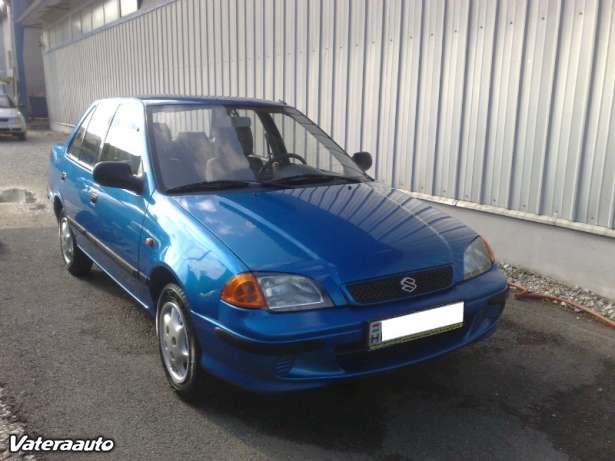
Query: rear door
{"x": 120, "y": 212}
{"x": 77, "y": 185}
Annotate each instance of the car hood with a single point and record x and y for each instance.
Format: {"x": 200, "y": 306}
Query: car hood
{"x": 8, "y": 112}
{"x": 354, "y": 232}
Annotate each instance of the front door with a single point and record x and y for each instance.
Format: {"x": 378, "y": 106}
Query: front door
{"x": 120, "y": 213}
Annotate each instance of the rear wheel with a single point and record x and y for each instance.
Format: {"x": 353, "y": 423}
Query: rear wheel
{"x": 75, "y": 260}
{"x": 177, "y": 342}
{"x": 22, "y": 136}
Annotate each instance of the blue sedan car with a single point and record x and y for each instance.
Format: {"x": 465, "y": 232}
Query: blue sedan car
{"x": 267, "y": 255}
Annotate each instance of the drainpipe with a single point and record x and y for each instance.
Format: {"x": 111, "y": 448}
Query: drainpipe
{"x": 17, "y": 9}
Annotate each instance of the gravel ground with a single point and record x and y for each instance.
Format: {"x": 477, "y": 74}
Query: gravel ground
{"x": 23, "y": 204}
{"x": 26, "y": 181}
{"x": 541, "y": 284}
{"x": 9, "y": 425}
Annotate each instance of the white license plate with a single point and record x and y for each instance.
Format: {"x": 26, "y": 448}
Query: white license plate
{"x": 414, "y": 326}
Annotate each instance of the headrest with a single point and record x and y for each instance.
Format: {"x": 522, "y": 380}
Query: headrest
{"x": 162, "y": 131}
{"x": 241, "y": 122}
{"x": 244, "y": 134}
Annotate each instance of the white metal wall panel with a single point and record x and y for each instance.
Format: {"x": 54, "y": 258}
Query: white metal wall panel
{"x": 596, "y": 206}
{"x": 454, "y": 57}
{"x": 408, "y": 99}
{"x": 508, "y": 103}
{"x": 507, "y": 69}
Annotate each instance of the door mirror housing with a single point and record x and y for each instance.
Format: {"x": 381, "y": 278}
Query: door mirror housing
{"x": 117, "y": 174}
{"x": 363, "y": 160}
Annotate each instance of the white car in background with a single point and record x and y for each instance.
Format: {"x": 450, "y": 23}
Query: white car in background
{"x": 11, "y": 119}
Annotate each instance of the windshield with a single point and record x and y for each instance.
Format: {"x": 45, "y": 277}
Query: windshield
{"x": 207, "y": 146}
{"x": 5, "y": 102}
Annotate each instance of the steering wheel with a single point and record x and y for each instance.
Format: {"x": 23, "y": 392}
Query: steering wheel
{"x": 272, "y": 160}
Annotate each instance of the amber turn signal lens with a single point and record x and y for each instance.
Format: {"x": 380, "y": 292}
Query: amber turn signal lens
{"x": 489, "y": 250}
{"x": 243, "y": 290}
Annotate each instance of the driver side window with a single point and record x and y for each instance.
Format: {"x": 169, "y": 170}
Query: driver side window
{"x": 125, "y": 140}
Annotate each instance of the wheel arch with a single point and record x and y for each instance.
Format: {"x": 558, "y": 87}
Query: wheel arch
{"x": 58, "y": 206}
{"x": 161, "y": 276}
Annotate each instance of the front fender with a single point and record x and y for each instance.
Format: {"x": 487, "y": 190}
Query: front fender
{"x": 199, "y": 261}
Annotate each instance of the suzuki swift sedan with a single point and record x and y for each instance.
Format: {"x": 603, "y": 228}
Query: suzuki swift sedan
{"x": 267, "y": 255}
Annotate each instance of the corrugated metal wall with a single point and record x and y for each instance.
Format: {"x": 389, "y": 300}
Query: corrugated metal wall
{"x": 505, "y": 103}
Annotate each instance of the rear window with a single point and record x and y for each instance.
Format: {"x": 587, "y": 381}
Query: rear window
{"x": 96, "y": 132}
{"x": 75, "y": 146}
{"x": 86, "y": 144}
{"x": 5, "y": 102}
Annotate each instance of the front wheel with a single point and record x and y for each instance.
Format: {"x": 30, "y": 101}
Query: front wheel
{"x": 75, "y": 260}
{"x": 177, "y": 342}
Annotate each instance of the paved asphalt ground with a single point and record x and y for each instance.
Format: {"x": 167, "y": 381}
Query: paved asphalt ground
{"x": 78, "y": 358}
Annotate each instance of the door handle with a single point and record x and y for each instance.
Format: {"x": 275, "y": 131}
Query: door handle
{"x": 63, "y": 176}
{"x": 93, "y": 197}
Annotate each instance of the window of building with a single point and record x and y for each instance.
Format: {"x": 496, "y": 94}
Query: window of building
{"x": 66, "y": 30}
{"x": 76, "y": 24}
{"x": 112, "y": 11}
{"x": 45, "y": 40}
{"x": 86, "y": 20}
{"x": 129, "y": 6}
{"x": 125, "y": 141}
{"x": 98, "y": 16}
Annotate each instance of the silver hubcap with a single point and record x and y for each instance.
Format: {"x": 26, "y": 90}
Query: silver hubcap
{"x": 174, "y": 341}
{"x": 66, "y": 241}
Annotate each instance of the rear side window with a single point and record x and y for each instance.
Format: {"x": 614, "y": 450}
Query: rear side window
{"x": 95, "y": 133}
{"x": 125, "y": 141}
{"x": 75, "y": 146}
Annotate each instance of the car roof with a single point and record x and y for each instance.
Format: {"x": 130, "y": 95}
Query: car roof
{"x": 207, "y": 100}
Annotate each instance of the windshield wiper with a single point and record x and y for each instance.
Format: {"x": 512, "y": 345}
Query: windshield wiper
{"x": 311, "y": 178}
{"x": 213, "y": 185}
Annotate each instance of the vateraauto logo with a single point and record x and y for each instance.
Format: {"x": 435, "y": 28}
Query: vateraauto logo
{"x": 26, "y": 444}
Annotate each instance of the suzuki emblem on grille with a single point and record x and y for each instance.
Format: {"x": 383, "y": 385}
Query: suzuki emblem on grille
{"x": 408, "y": 284}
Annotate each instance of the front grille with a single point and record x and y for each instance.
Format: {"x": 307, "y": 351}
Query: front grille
{"x": 4, "y": 119}
{"x": 392, "y": 287}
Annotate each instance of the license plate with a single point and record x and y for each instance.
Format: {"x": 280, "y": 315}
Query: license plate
{"x": 414, "y": 326}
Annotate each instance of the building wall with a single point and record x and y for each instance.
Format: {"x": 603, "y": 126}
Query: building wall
{"x": 507, "y": 104}
{"x": 504, "y": 103}
{"x": 33, "y": 72}
{"x": 5, "y": 43}
{"x": 577, "y": 258}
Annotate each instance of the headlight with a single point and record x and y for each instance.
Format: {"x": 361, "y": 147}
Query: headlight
{"x": 291, "y": 292}
{"x": 18, "y": 120}
{"x": 277, "y": 292}
{"x": 477, "y": 258}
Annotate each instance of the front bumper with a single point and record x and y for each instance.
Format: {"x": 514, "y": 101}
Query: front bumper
{"x": 311, "y": 349}
{"x": 12, "y": 127}
{"x": 12, "y": 130}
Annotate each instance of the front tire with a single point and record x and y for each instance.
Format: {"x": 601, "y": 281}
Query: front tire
{"x": 75, "y": 260}
{"x": 22, "y": 136}
{"x": 179, "y": 349}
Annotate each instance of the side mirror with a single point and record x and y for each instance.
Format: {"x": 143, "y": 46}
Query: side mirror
{"x": 117, "y": 174}
{"x": 363, "y": 160}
